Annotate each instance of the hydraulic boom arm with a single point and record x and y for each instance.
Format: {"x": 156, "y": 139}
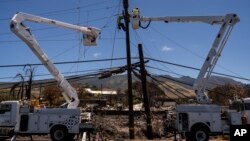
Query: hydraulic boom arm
{"x": 227, "y": 22}
{"x": 90, "y": 34}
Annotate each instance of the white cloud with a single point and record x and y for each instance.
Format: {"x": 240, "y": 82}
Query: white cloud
{"x": 167, "y": 49}
{"x": 96, "y": 54}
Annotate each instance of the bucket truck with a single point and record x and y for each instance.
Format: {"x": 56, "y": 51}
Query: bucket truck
{"x": 200, "y": 121}
{"x": 61, "y": 123}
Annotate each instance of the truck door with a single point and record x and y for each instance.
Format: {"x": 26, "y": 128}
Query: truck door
{"x": 24, "y": 119}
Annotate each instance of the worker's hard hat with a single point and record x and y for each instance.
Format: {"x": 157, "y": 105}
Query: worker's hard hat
{"x": 136, "y": 11}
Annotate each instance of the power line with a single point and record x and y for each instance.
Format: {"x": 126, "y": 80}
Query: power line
{"x": 164, "y": 70}
{"x": 160, "y": 83}
{"x": 181, "y": 82}
{"x": 113, "y": 46}
{"x": 63, "y": 10}
{"x": 93, "y": 72}
{"x": 43, "y": 40}
{"x": 49, "y": 82}
{"x": 190, "y": 51}
{"x": 92, "y": 20}
{"x": 170, "y": 87}
{"x": 173, "y": 79}
{"x": 54, "y": 27}
{"x": 188, "y": 67}
{"x": 116, "y": 59}
{"x": 55, "y": 40}
{"x": 74, "y": 8}
{"x": 59, "y": 63}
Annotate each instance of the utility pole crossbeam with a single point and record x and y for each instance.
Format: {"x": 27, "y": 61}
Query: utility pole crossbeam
{"x": 145, "y": 94}
{"x": 130, "y": 95}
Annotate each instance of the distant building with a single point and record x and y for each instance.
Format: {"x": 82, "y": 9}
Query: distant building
{"x": 111, "y": 96}
{"x": 102, "y": 92}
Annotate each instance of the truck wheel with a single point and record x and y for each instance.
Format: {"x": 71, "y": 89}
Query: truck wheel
{"x": 199, "y": 133}
{"x": 59, "y": 133}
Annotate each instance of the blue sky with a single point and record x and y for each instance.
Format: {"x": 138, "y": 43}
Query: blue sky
{"x": 182, "y": 43}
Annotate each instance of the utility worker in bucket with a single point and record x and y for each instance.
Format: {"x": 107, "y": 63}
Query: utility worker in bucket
{"x": 136, "y": 12}
{"x": 135, "y": 18}
{"x": 120, "y": 25}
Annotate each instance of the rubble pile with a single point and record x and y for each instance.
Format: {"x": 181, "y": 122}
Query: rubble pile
{"x": 117, "y": 127}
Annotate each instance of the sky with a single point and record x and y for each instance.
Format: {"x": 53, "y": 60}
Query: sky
{"x": 181, "y": 43}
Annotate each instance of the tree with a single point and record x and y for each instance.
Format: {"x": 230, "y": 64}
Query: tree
{"x": 220, "y": 95}
{"x": 82, "y": 93}
{"x": 4, "y": 95}
{"x": 247, "y": 90}
{"x": 53, "y": 95}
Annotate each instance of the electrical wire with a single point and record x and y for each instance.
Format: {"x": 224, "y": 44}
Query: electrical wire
{"x": 54, "y": 27}
{"x": 113, "y": 43}
{"x": 63, "y": 10}
{"x": 173, "y": 79}
{"x": 116, "y": 59}
{"x": 70, "y": 72}
{"x": 63, "y": 52}
{"x": 79, "y": 38}
{"x": 190, "y": 51}
{"x": 56, "y": 40}
{"x": 156, "y": 81}
{"x": 164, "y": 70}
{"x": 64, "y": 62}
{"x": 148, "y": 54}
{"x": 76, "y": 8}
{"x": 188, "y": 67}
{"x": 170, "y": 87}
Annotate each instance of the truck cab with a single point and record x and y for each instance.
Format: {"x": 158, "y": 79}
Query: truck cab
{"x": 201, "y": 121}
{"x": 9, "y": 110}
{"x": 242, "y": 106}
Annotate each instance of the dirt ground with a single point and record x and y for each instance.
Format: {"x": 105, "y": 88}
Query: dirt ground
{"x": 46, "y": 138}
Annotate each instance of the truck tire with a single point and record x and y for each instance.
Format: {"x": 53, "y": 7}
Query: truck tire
{"x": 199, "y": 133}
{"x": 59, "y": 133}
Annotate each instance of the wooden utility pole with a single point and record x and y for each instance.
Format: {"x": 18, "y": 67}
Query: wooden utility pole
{"x": 145, "y": 93}
{"x": 130, "y": 95}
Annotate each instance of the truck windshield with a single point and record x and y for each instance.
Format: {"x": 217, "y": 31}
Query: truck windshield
{"x": 237, "y": 105}
{"x": 240, "y": 106}
{"x": 4, "y": 108}
{"x": 247, "y": 106}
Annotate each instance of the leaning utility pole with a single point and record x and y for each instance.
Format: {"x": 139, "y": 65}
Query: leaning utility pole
{"x": 130, "y": 95}
{"x": 145, "y": 93}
